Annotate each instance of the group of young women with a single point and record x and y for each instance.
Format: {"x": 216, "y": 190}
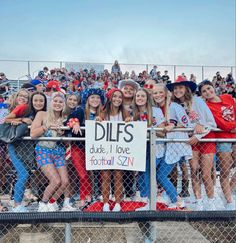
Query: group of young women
{"x": 167, "y": 107}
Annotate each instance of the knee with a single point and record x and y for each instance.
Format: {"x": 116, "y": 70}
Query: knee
{"x": 64, "y": 182}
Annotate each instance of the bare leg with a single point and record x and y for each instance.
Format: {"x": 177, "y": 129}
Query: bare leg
{"x": 196, "y": 182}
{"x": 118, "y": 176}
{"x": 62, "y": 171}
{"x": 54, "y": 181}
{"x": 206, "y": 163}
{"x": 225, "y": 160}
{"x": 106, "y": 181}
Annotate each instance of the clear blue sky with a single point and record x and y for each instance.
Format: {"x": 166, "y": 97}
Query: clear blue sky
{"x": 132, "y": 31}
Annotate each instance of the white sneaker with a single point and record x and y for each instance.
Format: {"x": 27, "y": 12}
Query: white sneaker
{"x": 106, "y": 207}
{"x": 199, "y": 205}
{"x": 20, "y": 209}
{"x": 116, "y": 208}
{"x": 127, "y": 199}
{"x": 52, "y": 207}
{"x": 180, "y": 204}
{"x": 230, "y": 206}
{"x": 164, "y": 198}
{"x": 210, "y": 205}
{"x": 68, "y": 208}
{"x": 145, "y": 208}
{"x": 43, "y": 207}
{"x": 144, "y": 199}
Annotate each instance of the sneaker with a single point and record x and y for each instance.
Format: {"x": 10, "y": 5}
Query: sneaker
{"x": 68, "y": 208}
{"x": 230, "y": 206}
{"x": 20, "y": 209}
{"x": 179, "y": 204}
{"x": 144, "y": 199}
{"x": 43, "y": 207}
{"x": 127, "y": 199}
{"x": 116, "y": 208}
{"x": 164, "y": 198}
{"x": 52, "y": 207}
{"x": 145, "y": 208}
{"x": 106, "y": 207}
{"x": 199, "y": 205}
{"x": 210, "y": 205}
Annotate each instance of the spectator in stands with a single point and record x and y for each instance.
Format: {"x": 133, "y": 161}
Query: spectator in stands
{"x": 165, "y": 78}
{"x": 50, "y": 155}
{"x": 153, "y": 72}
{"x": 192, "y": 78}
{"x": 143, "y": 111}
{"x": 203, "y": 153}
{"x": 223, "y": 108}
{"x": 46, "y": 73}
{"x": 149, "y": 84}
{"x": 116, "y": 68}
{"x": 133, "y": 76}
{"x": 230, "y": 79}
{"x": 38, "y": 85}
{"x": 19, "y": 111}
{"x": 93, "y": 100}
{"x": 4, "y": 84}
{"x": 128, "y": 88}
{"x": 76, "y": 118}
{"x": 113, "y": 111}
{"x": 51, "y": 87}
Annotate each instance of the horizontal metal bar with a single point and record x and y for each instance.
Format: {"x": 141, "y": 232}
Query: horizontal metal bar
{"x": 205, "y": 140}
{"x": 164, "y": 140}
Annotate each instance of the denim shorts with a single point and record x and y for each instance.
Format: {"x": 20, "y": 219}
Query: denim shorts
{"x": 224, "y": 147}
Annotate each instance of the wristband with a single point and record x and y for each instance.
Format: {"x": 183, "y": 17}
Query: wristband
{"x": 72, "y": 122}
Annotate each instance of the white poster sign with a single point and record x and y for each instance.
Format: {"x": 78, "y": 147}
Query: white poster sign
{"x": 116, "y": 145}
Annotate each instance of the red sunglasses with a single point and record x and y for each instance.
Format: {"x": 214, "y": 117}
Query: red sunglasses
{"x": 148, "y": 86}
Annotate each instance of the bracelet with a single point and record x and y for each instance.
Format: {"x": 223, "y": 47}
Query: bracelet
{"x": 72, "y": 122}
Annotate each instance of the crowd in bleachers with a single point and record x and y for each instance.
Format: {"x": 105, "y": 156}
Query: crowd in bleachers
{"x": 58, "y": 97}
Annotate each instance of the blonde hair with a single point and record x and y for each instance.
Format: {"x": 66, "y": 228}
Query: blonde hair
{"x": 167, "y": 99}
{"x": 14, "y": 104}
{"x": 50, "y": 115}
{"x": 148, "y": 107}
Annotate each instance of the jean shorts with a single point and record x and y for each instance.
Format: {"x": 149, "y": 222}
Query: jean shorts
{"x": 224, "y": 147}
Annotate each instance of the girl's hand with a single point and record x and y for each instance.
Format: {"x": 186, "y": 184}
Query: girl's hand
{"x": 193, "y": 140}
{"x": 76, "y": 129}
{"x": 169, "y": 128}
{"x": 129, "y": 119}
{"x": 199, "y": 129}
{"x": 15, "y": 123}
{"x": 27, "y": 121}
{"x": 98, "y": 118}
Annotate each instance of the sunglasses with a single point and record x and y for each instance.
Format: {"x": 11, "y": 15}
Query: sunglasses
{"x": 148, "y": 86}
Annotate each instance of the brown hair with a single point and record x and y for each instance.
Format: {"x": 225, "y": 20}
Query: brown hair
{"x": 148, "y": 107}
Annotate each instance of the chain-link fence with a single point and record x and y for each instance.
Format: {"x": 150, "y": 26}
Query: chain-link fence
{"x": 186, "y": 193}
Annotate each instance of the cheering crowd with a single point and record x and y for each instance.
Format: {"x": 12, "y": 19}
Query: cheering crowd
{"x": 59, "y": 98}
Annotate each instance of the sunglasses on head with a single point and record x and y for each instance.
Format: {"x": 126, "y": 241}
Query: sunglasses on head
{"x": 148, "y": 86}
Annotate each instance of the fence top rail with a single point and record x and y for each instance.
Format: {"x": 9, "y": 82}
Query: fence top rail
{"x": 165, "y": 140}
{"x": 156, "y": 129}
{"x": 111, "y": 63}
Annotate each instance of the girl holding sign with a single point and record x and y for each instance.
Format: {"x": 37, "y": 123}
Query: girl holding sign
{"x": 93, "y": 100}
{"x": 143, "y": 111}
{"x": 74, "y": 121}
{"x": 113, "y": 111}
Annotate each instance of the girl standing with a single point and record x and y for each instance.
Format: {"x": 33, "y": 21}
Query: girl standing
{"x": 113, "y": 111}
{"x": 93, "y": 100}
{"x": 203, "y": 153}
{"x": 223, "y": 108}
{"x": 143, "y": 111}
{"x": 19, "y": 110}
{"x": 50, "y": 155}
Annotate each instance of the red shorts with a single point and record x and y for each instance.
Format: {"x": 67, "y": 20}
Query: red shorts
{"x": 206, "y": 148}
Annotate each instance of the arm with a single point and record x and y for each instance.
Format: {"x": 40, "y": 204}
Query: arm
{"x": 37, "y": 128}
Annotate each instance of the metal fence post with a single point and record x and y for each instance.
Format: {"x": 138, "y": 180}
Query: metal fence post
{"x": 151, "y": 230}
{"x": 174, "y": 72}
{"x": 153, "y": 184}
{"x": 68, "y": 233}
{"x": 203, "y": 73}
